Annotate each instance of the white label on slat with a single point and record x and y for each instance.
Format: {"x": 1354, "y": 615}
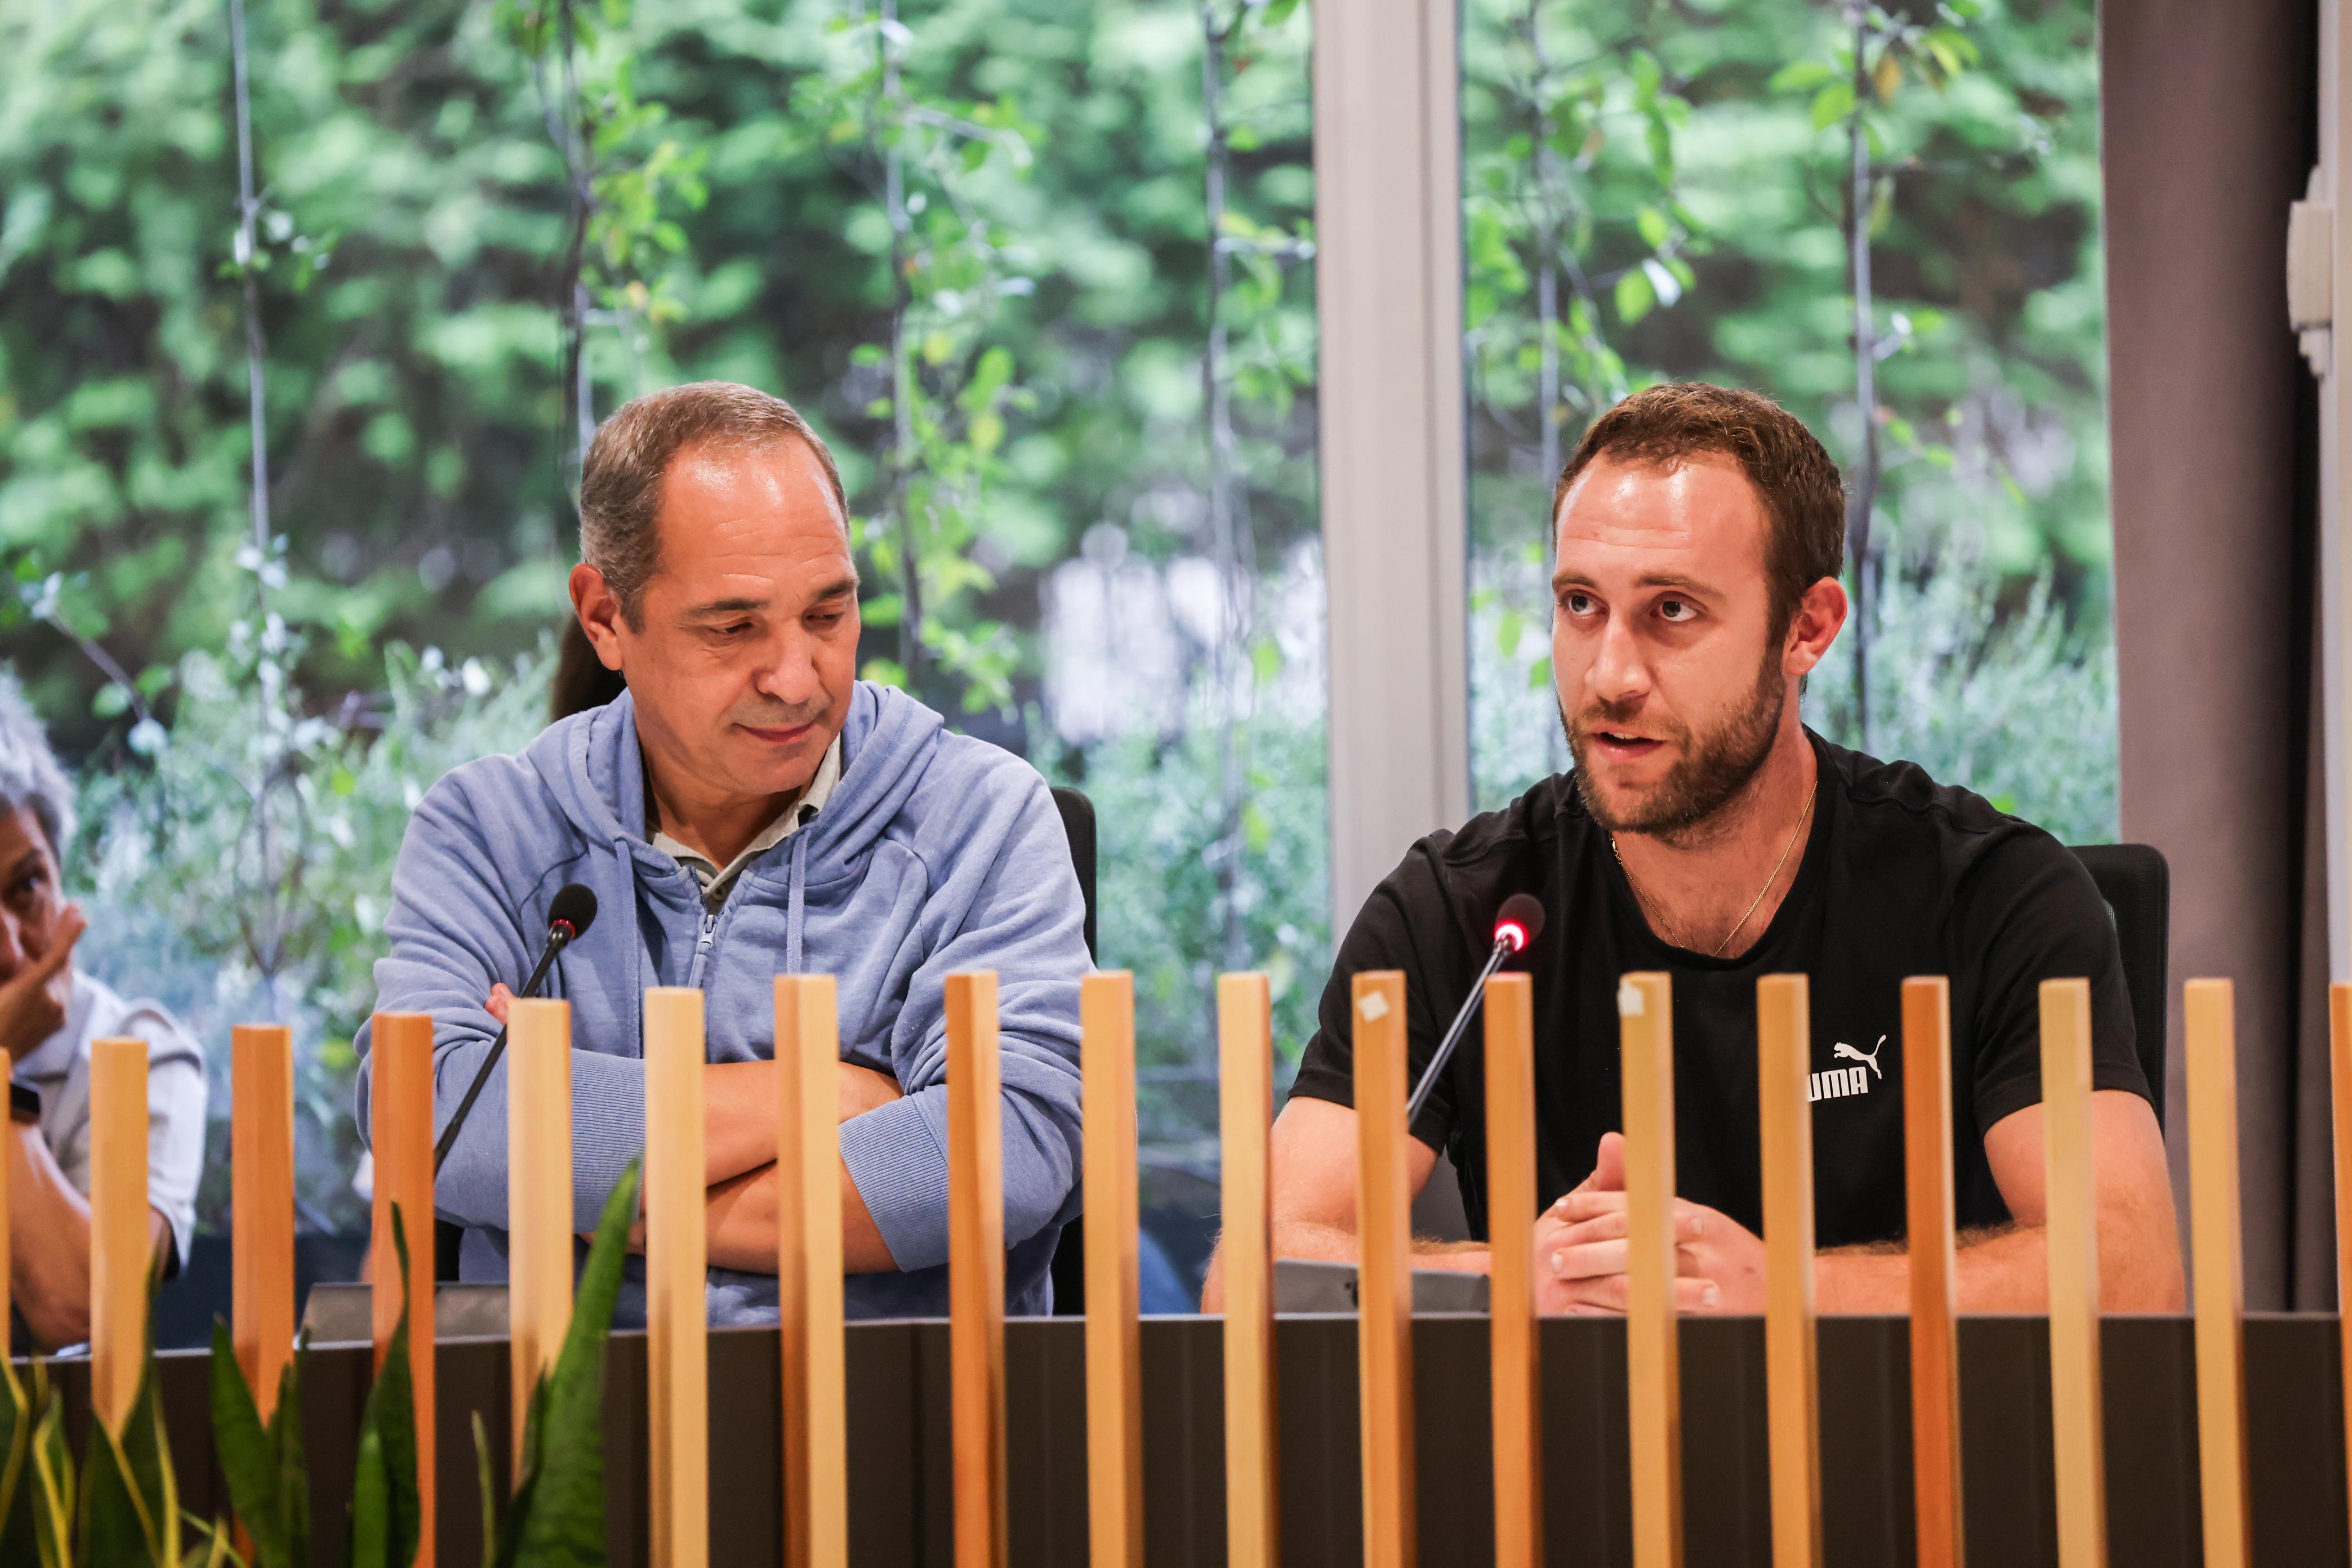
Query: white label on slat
{"x": 1373, "y": 1007}
{"x": 1630, "y": 1002}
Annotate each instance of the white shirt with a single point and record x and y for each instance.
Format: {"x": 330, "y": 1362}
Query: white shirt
{"x": 716, "y": 881}
{"x": 176, "y": 1095}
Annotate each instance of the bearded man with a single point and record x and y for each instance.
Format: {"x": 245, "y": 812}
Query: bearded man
{"x": 1706, "y": 832}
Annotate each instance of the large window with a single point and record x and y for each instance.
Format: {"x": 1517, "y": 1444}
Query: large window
{"x": 1886, "y": 218}
{"x": 1042, "y": 273}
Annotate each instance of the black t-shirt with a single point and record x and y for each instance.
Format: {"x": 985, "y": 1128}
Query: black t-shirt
{"x": 1901, "y": 877}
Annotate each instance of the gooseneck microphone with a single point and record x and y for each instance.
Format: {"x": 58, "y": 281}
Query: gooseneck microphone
{"x": 1517, "y": 925}
{"x": 569, "y": 916}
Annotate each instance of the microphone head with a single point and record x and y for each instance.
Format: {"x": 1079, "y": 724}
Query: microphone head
{"x": 574, "y": 906}
{"x": 1519, "y": 922}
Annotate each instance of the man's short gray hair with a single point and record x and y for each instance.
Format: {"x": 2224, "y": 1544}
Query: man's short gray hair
{"x": 29, "y": 773}
{"x": 621, "y": 480}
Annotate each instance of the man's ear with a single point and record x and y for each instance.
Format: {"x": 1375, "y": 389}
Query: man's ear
{"x": 1820, "y": 615}
{"x": 599, "y": 609}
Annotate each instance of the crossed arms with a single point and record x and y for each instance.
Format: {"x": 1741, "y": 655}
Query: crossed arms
{"x": 1580, "y": 1242}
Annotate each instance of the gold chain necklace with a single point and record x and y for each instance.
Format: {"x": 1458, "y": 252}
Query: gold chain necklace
{"x": 1757, "y": 901}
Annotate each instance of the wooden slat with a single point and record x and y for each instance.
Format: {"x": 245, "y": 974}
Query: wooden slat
{"x": 1511, "y": 1216}
{"x": 261, "y": 1205}
{"x": 1244, "y": 1116}
{"x": 1935, "y": 1292}
{"x": 1114, "y": 1360}
{"x": 121, "y": 1239}
{"x": 538, "y": 1196}
{"x": 1793, "y": 1397}
{"x": 808, "y": 1273}
{"x": 678, "y": 1371}
{"x": 2212, "y": 1055}
{"x": 2074, "y": 1244}
{"x": 976, "y": 1270}
{"x": 1384, "y": 1274}
{"x": 1653, "y": 1344}
{"x": 2339, "y": 1042}
{"x": 400, "y": 1113}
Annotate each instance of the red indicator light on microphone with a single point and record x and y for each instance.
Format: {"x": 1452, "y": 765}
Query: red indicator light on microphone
{"x": 1513, "y": 933}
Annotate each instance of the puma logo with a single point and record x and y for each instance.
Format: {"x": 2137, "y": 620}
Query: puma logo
{"x": 1842, "y": 1049}
{"x": 1838, "y": 1082}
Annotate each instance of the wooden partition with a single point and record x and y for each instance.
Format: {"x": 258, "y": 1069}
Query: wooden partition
{"x": 540, "y": 1222}
{"x": 678, "y": 1367}
{"x": 808, "y": 1274}
{"x": 1516, "y": 1378}
{"x": 976, "y": 1269}
{"x": 1246, "y": 1115}
{"x": 1384, "y": 1286}
{"x": 261, "y": 1205}
{"x": 122, "y": 1235}
{"x": 1653, "y": 1345}
{"x": 7, "y": 1299}
{"x": 1935, "y": 1299}
{"x": 400, "y": 1111}
{"x": 1784, "y": 1063}
{"x": 2218, "y": 1269}
{"x": 1114, "y": 1367}
{"x": 2074, "y": 1242}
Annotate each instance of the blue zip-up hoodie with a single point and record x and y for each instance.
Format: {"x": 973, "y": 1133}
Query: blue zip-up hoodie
{"x": 934, "y": 853}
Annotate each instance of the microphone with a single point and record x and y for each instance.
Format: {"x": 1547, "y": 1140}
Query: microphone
{"x": 1517, "y": 925}
{"x": 569, "y": 916}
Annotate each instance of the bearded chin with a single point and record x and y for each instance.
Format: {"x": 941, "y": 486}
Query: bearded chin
{"x": 1715, "y": 766}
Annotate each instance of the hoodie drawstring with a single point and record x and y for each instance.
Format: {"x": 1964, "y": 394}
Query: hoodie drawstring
{"x": 796, "y": 901}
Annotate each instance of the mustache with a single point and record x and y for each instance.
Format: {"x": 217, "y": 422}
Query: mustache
{"x": 1602, "y": 714}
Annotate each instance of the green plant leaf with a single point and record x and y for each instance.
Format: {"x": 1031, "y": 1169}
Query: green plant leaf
{"x": 53, "y": 1488}
{"x": 247, "y": 1461}
{"x": 114, "y": 1526}
{"x": 490, "y": 1491}
{"x": 563, "y": 1519}
{"x": 293, "y": 1461}
{"x": 17, "y": 1419}
{"x": 385, "y": 1532}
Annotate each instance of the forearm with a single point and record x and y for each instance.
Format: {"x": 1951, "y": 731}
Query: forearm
{"x": 744, "y": 1233}
{"x": 2007, "y": 1270}
{"x": 740, "y": 1106}
{"x": 48, "y": 1271}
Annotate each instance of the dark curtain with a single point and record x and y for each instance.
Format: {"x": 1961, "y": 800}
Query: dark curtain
{"x": 2208, "y": 122}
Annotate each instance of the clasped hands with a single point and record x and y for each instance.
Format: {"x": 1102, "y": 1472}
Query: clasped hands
{"x": 1580, "y": 1249}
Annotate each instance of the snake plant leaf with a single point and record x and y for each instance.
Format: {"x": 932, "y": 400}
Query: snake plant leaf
{"x": 564, "y": 1526}
{"x": 489, "y": 1488}
{"x": 370, "y": 1545}
{"x": 389, "y": 1422}
{"x": 293, "y": 1463}
{"x": 53, "y": 1488}
{"x": 116, "y": 1529}
{"x": 143, "y": 1448}
{"x": 246, "y": 1460}
{"x": 17, "y": 1419}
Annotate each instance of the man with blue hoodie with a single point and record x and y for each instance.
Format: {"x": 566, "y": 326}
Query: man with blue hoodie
{"x": 748, "y": 807}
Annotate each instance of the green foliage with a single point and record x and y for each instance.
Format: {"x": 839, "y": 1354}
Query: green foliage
{"x": 119, "y": 1507}
{"x": 269, "y": 1478}
{"x": 557, "y": 1517}
{"x": 384, "y": 1517}
{"x": 1685, "y": 182}
{"x": 280, "y": 890}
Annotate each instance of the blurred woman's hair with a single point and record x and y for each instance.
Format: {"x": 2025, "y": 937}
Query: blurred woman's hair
{"x": 581, "y": 681}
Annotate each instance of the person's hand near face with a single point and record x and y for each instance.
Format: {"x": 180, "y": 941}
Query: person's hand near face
{"x": 38, "y": 933}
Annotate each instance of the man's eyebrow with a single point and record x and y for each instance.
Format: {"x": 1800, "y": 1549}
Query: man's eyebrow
{"x": 841, "y": 588}
{"x": 1568, "y": 578}
{"x": 718, "y": 607}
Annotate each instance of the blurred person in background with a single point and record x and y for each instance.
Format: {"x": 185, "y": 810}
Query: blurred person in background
{"x": 49, "y": 1014}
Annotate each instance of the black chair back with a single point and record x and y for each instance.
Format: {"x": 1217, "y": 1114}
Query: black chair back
{"x": 1078, "y": 822}
{"x": 2136, "y": 883}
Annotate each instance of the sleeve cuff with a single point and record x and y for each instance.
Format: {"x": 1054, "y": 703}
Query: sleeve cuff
{"x": 899, "y": 1160}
